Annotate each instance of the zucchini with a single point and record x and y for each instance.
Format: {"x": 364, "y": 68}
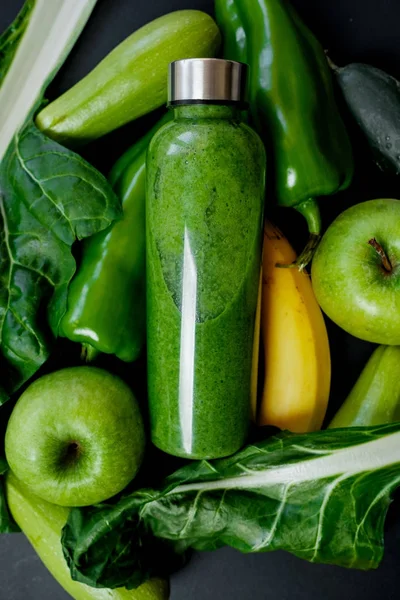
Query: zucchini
{"x": 131, "y": 81}
{"x": 42, "y": 523}
{"x": 375, "y": 397}
{"x": 373, "y": 98}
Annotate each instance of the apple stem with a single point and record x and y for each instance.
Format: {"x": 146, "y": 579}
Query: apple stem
{"x": 386, "y": 264}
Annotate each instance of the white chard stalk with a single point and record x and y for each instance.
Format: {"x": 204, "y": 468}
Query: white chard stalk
{"x": 54, "y": 26}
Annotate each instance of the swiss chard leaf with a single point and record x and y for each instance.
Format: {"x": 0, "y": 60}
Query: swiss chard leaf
{"x": 32, "y": 50}
{"x": 10, "y": 38}
{"x": 321, "y": 496}
{"x": 49, "y": 197}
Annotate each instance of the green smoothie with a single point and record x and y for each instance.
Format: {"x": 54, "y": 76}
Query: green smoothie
{"x": 205, "y": 196}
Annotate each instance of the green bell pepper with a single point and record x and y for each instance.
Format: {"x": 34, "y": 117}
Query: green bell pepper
{"x": 292, "y": 104}
{"x": 106, "y": 307}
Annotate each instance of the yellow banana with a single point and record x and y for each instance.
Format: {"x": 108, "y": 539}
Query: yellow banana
{"x": 296, "y": 348}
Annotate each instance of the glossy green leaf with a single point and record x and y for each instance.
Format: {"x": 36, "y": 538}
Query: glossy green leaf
{"x": 49, "y": 197}
{"x": 321, "y": 496}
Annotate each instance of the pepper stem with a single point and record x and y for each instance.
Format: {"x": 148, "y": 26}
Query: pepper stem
{"x": 386, "y": 264}
{"x": 330, "y": 62}
{"x": 89, "y": 353}
{"x": 310, "y": 211}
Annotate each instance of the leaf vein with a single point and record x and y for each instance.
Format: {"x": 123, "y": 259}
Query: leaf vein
{"x": 37, "y": 181}
{"x": 328, "y": 494}
{"x": 264, "y": 543}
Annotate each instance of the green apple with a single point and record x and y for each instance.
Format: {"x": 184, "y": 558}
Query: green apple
{"x": 356, "y": 271}
{"x": 76, "y": 437}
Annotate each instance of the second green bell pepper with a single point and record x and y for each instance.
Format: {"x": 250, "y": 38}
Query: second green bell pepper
{"x": 106, "y": 307}
{"x": 292, "y": 104}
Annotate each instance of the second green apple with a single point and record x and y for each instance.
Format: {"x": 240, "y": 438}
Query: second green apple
{"x": 76, "y": 436}
{"x": 356, "y": 271}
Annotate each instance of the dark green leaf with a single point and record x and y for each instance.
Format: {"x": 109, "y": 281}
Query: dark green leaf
{"x": 11, "y": 37}
{"x": 7, "y": 523}
{"x": 3, "y": 465}
{"x": 321, "y": 496}
{"x": 114, "y": 557}
{"x": 49, "y": 197}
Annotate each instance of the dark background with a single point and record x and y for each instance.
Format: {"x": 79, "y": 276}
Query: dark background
{"x": 351, "y": 30}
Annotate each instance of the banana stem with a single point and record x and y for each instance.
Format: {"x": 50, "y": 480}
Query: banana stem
{"x": 310, "y": 211}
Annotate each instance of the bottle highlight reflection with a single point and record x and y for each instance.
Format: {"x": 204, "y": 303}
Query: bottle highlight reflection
{"x": 188, "y": 341}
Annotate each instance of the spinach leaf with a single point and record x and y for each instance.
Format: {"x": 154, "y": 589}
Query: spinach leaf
{"x": 10, "y": 38}
{"x": 49, "y": 197}
{"x": 321, "y": 496}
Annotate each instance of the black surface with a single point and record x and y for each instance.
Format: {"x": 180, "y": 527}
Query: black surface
{"x": 352, "y": 30}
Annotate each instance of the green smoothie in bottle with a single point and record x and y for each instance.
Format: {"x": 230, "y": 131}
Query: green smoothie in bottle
{"x": 204, "y": 217}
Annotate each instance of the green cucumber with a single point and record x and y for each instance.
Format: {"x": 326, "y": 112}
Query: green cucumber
{"x": 42, "y": 523}
{"x": 131, "y": 81}
{"x": 373, "y": 98}
{"x": 375, "y": 398}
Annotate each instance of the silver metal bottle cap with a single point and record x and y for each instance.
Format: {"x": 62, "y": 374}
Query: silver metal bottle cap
{"x": 207, "y": 80}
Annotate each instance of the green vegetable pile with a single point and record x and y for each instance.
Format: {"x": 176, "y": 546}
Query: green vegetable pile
{"x": 72, "y": 266}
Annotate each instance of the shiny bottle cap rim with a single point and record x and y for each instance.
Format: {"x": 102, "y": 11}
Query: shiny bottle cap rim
{"x": 207, "y": 80}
